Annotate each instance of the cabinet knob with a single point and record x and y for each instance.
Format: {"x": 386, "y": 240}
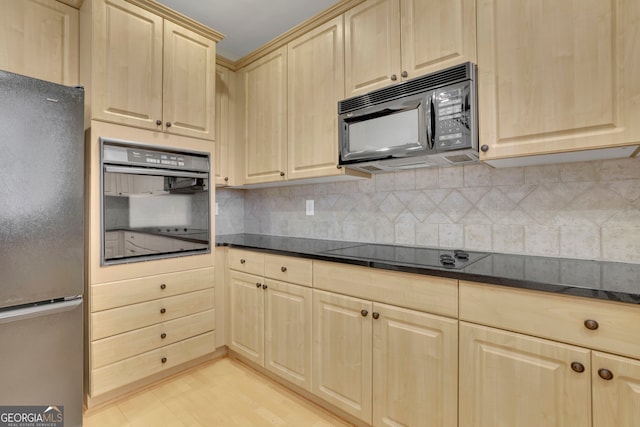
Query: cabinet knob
{"x": 577, "y": 367}
{"x": 364, "y": 312}
{"x": 605, "y": 374}
{"x": 283, "y": 269}
{"x": 258, "y": 285}
{"x": 242, "y": 261}
{"x": 163, "y": 286}
{"x": 163, "y": 335}
{"x": 338, "y": 167}
{"x": 394, "y": 77}
{"x": 158, "y": 122}
{"x": 281, "y": 173}
{"x": 591, "y": 324}
{"x": 226, "y": 179}
{"x": 163, "y": 360}
{"x": 168, "y": 124}
{"x": 375, "y": 315}
{"x": 264, "y": 286}
{"x": 404, "y": 74}
{"x": 484, "y": 148}
{"x": 163, "y": 310}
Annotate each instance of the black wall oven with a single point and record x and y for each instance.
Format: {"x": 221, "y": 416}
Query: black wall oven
{"x": 155, "y": 202}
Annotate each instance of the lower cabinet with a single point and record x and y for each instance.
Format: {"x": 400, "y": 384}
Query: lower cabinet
{"x": 383, "y": 364}
{"x": 616, "y": 390}
{"x": 270, "y": 325}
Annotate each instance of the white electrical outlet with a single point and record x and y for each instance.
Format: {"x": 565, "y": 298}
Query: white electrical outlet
{"x": 217, "y": 209}
{"x": 310, "y": 207}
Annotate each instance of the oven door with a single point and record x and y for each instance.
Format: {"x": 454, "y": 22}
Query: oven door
{"x": 151, "y": 213}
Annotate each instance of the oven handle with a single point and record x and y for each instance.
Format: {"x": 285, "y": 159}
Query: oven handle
{"x": 156, "y": 172}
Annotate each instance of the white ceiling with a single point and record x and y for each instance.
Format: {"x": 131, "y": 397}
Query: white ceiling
{"x": 248, "y": 24}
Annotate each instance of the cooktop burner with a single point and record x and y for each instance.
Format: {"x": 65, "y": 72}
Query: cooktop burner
{"x": 422, "y": 257}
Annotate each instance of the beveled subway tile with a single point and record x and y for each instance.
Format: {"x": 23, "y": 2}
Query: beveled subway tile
{"x": 580, "y": 242}
{"x": 451, "y": 235}
{"x": 542, "y": 240}
{"x": 508, "y": 238}
{"x": 478, "y": 237}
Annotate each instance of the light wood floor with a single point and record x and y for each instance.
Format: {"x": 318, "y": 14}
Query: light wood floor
{"x": 224, "y": 392}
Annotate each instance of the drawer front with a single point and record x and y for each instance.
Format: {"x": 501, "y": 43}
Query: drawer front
{"x": 129, "y": 344}
{"x": 123, "y": 319}
{"x": 136, "y": 368}
{"x": 557, "y": 317}
{"x": 246, "y": 261}
{"x": 125, "y": 292}
{"x": 424, "y": 293}
{"x": 288, "y": 269}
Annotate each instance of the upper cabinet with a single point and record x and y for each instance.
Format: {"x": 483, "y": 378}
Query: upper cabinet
{"x": 224, "y": 126}
{"x": 388, "y": 41}
{"x": 147, "y": 71}
{"x": 557, "y": 77}
{"x": 39, "y": 38}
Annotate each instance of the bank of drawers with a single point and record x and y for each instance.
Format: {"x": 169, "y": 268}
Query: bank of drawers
{"x": 142, "y": 326}
{"x": 595, "y": 324}
{"x": 283, "y": 268}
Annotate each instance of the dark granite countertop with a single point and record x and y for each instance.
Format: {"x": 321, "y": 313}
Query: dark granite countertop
{"x": 612, "y": 281}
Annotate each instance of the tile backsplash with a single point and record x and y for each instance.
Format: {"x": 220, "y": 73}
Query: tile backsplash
{"x": 588, "y": 210}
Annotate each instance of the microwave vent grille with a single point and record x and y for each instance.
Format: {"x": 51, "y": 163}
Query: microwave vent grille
{"x": 420, "y": 84}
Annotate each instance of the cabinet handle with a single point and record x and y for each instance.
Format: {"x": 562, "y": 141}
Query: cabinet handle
{"x": 163, "y": 360}
{"x": 577, "y": 367}
{"x": 364, "y": 312}
{"x": 158, "y": 122}
{"x": 605, "y": 374}
{"x": 375, "y": 315}
{"x": 484, "y": 148}
{"x": 226, "y": 179}
{"x": 163, "y": 335}
{"x": 258, "y": 285}
{"x": 264, "y": 286}
{"x": 338, "y": 166}
{"x": 163, "y": 310}
{"x": 281, "y": 173}
{"x": 283, "y": 269}
{"x": 394, "y": 77}
{"x": 168, "y": 124}
{"x": 404, "y": 74}
{"x": 163, "y": 286}
{"x": 242, "y": 261}
{"x": 591, "y": 324}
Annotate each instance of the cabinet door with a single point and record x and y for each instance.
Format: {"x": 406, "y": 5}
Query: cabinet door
{"x": 372, "y": 46}
{"x": 436, "y": 34}
{"x": 265, "y": 118}
{"x": 508, "y": 379}
{"x": 316, "y": 84}
{"x": 288, "y": 332}
{"x": 39, "y": 38}
{"x": 616, "y": 401}
{"x": 127, "y": 61}
{"x": 222, "y": 126}
{"x": 189, "y": 83}
{"x": 342, "y": 345}
{"x": 415, "y": 368}
{"x": 246, "y": 316}
{"x": 557, "y": 76}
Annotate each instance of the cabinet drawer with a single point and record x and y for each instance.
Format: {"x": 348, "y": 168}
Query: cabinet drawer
{"x": 555, "y": 317}
{"x": 246, "y": 261}
{"x": 136, "y": 368}
{"x": 118, "y": 320}
{"x": 288, "y": 269}
{"x": 123, "y": 346}
{"x": 424, "y": 293}
{"x": 125, "y": 292}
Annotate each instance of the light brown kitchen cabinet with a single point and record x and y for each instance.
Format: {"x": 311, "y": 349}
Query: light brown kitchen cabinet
{"x": 148, "y": 72}
{"x": 263, "y": 90}
{"x": 616, "y": 390}
{"x": 556, "y": 78}
{"x": 270, "y": 313}
{"x": 225, "y": 157}
{"x": 388, "y": 41}
{"x": 39, "y": 38}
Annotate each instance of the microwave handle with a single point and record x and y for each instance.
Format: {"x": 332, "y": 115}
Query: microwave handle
{"x": 155, "y": 172}
{"x": 431, "y": 122}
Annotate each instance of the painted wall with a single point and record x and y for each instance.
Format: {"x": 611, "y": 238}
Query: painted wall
{"x": 587, "y": 210}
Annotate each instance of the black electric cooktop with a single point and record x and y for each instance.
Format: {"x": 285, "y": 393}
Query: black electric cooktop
{"x": 420, "y": 257}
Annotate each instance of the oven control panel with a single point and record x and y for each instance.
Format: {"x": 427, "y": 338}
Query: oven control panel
{"x": 116, "y": 152}
{"x": 157, "y": 159}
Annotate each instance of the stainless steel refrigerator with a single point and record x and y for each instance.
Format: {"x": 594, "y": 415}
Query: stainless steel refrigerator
{"x": 41, "y": 249}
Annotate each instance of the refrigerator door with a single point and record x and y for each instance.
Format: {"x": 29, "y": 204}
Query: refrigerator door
{"x": 42, "y": 358}
{"x": 41, "y": 190}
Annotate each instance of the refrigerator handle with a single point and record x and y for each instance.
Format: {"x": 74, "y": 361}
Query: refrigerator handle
{"x": 38, "y": 310}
